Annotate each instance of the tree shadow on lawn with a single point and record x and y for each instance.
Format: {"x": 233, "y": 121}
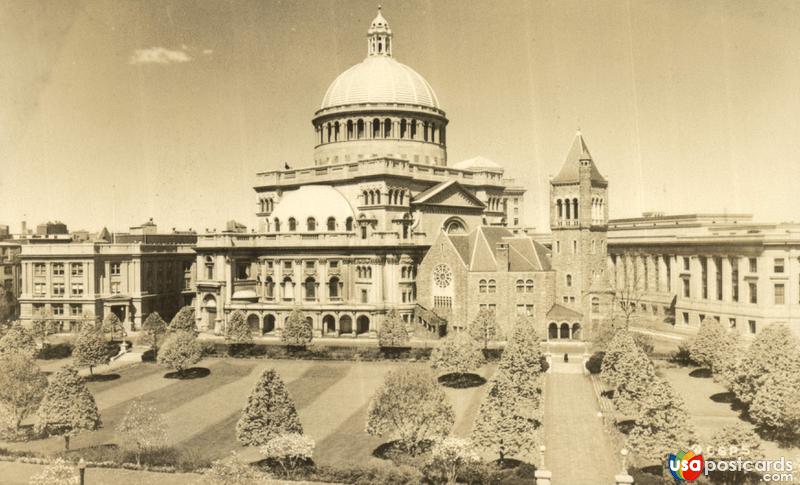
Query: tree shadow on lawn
{"x": 626, "y": 425}
{"x": 729, "y": 398}
{"x": 458, "y": 380}
{"x": 94, "y": 453}
{"x": 191, "y": 373}
{"x": 101, "y": 377}
{"x": 701, "y": 373}
{"x": 394, "y": 452}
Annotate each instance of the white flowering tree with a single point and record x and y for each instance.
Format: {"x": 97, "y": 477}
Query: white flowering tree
{"x": 289, "y": 451}
{"x": 142, "y": 428}
{"x": 450, "y": 456}
{"x": 60, "y": 472}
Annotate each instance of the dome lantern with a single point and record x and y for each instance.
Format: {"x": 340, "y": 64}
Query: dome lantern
{"x": 379, "y": 37}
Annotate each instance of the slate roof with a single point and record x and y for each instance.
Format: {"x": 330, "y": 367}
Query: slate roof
{"x": 560, "y": 312}
{"x": 569, "y": 171}
{"x": 479, "y": 250}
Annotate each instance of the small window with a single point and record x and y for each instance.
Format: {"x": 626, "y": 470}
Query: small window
{"x": 287, "y": 265}
{"x": 569, "y": 280}
{"x": 333, "y": 264}
{"x": 76, "y": 269}
{"x": 529, "y": 286}
{"x": 686, "y": 263}
{"x": 364, "y": 296}
{"x": 520, "y": 286}
{"x": 292, "y": 224}
{"x": 732, "y": 323}
{"x": 595, "y": 304}
{"x": 492, "y": 287}
{"x": 310, "y": 265}
{"x": 779, "y": 265}
{"x": 753, "y": 265}
{"x": 753, "y": 292}
{"x": 311, "y": 224}
{"x": 58, "y": 269}
{"x": 116, "y": 269}
{"x": 482, "y": 286}
{"x": 331, "y": 224}
{"x": 752, "y": 326}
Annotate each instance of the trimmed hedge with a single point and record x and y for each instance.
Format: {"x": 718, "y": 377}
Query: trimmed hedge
{"x": 61, "y": 350}
{"x": 595, "y": 362}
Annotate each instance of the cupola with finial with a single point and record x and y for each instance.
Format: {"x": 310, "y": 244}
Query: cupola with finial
{"x": 379, "y": 37}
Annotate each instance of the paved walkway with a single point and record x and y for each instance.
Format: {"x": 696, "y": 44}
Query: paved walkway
{"x": 578, "y": 450}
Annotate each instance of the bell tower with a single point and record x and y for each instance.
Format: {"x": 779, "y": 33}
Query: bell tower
{"x": 579, "y": 223}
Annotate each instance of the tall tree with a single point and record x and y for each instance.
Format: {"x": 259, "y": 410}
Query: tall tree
{"x": 614, "y": 366}
{"x": 773, "y": 349}
{"x": 90, "y": 349}
{"x": 237, "y": 330}
{"x": 734, "y": 441}
{"x": 710, "y": 343}
{"x": 154, "y": 327}
{"x": 656, "y": 431}
{"x": 458, "y": 353}
{"x": 183, "y": 320}
{"x": 393, "y": 331}
{"x": 180, "y": 350}
{"x": 484, "y": 327}
{"x": 297, "y": 331}
{"x": 506, "y": 423}
{"x": 143, "y": 427}
{"x": 67, "y": 407}
{"x": 269, "y": 412}
{"x": 22, "y": 387}
{"x": 18, "y": 339}
{"x": 637, "y": 374}
{"x": 43, "y": 326}
{"x": 410, "y": 407}
{"x": 8, "y": 307}
{"x": 776, "y": 406}
{"x": 521, "y": 362}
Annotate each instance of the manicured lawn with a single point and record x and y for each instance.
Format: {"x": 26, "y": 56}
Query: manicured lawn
{"x": 201, "y": 413}
{"x": 710, "y": 407}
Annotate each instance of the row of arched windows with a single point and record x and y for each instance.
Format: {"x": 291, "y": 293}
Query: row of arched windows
{"x": 377, "y": 128}
{"x": 598, "y": 209}
{"x": 364, "y": 271}
{"x": 524, "y": 286}
{"x": 495, "y": 203}
{"x": 567, "y": 208}
{"x": 309, "y": 288}
{"x": 407, "y": 272}
{"x": 266, "y": 205}
{"x": 311, "y": 224}
{"x": 487, "y": 286}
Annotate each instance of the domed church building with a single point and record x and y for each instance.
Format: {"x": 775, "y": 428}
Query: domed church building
{"x": 342, "y": 239}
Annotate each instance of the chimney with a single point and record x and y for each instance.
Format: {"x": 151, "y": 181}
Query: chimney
{"x": 503, "y": 263}
{"x": 24, "y": 228}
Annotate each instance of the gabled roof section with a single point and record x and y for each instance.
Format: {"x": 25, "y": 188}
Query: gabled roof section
{"x": 447, "y": 194}
{"x": 569, "y": 171}
{"x": 560, "y": 312}
{"x": 479, "y": 250}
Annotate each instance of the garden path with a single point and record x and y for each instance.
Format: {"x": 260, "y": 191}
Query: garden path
{"x": 578, "y": 450}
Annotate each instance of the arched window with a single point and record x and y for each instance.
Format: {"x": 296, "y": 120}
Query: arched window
{"x": 413, "y": 129}
{"x": 376, "y": 128}
{"x": 560, "y": 209}
{"x": 288, "y": 288}
{"x": 331, "y": 223}
{"x": 363, "y": 232}
{"x": 209, "y": 268}
{"x": 568, "y": 212}
{"x": 425, "y": 131}
{"x": 403, "y": 128}
{"x": 277, "y": 225}
{"x": 595, "y": 304}
{"x": 348, "y": 224}
{"x": 387, "y": 128}
{"x": 269, "y": 286}
{"x": 360, "y": 129}
{"x": 520, "y": 286}
{"x": 292, "y": 224}
{"x": 402, "y": 197}
{"x": 311, "y": 224}
{"x": 333, "y": 288}
{"x": 574, "y": 208}
{"x": 482, "y": 286}
{"x": 492, "y": 287}
{"x": 349, "y": 129}
{"x": 378, "y": 196}
{"x": 433, "y": 132}
{"x": 311, "y": 288}
{"x": 529, "y": 286}
{"x": 454, "y": 226}
{"x": 372, "y": 197}
{"x": 336, "y": 131}
{"x": 569, "y": 280}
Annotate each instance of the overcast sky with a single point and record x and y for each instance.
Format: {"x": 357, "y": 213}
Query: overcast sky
{"x": 115, "y": 111}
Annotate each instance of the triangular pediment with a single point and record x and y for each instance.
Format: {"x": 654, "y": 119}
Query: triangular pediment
{"x": 449, "y": 194}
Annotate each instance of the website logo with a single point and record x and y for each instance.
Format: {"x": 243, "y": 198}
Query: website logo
{"x": 685, "y": 466}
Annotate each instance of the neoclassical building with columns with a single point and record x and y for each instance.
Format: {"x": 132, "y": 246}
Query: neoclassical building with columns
{"x": 341, "y": 238}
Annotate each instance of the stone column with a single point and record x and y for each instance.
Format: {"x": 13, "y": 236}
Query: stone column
{"x": 695, "y": 278}
{"x": 727, "y": 289}
{"x": 712, "y": 278}
{"x": 322, "y": 293}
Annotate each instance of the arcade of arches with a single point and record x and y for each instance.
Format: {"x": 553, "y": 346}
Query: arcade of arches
{"x": 564, "y": 331}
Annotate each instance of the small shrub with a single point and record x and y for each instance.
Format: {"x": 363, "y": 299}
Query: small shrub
{"x": 57, "y": 473}
{"x": 289, "y": 451}
{"x": 595, "y": 362}
{"x": 384, "y": 473}
{"x": 682, "y": 356}
{"x": 61, "y": 350}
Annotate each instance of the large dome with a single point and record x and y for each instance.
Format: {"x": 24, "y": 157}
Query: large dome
{"x": 380, "y": 79}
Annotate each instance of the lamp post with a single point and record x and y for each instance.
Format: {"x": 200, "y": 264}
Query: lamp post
{"x": 624, "y": 453}
{"x": 542, "y": 449}
{"x": 82, "y": 470}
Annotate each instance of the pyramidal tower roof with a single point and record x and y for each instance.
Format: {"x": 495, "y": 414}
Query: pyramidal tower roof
{"x": 570, "y": 172}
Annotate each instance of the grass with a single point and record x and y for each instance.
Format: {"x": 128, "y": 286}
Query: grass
{"x": 711, "y": 407}
{"x": 201, "y": 413}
